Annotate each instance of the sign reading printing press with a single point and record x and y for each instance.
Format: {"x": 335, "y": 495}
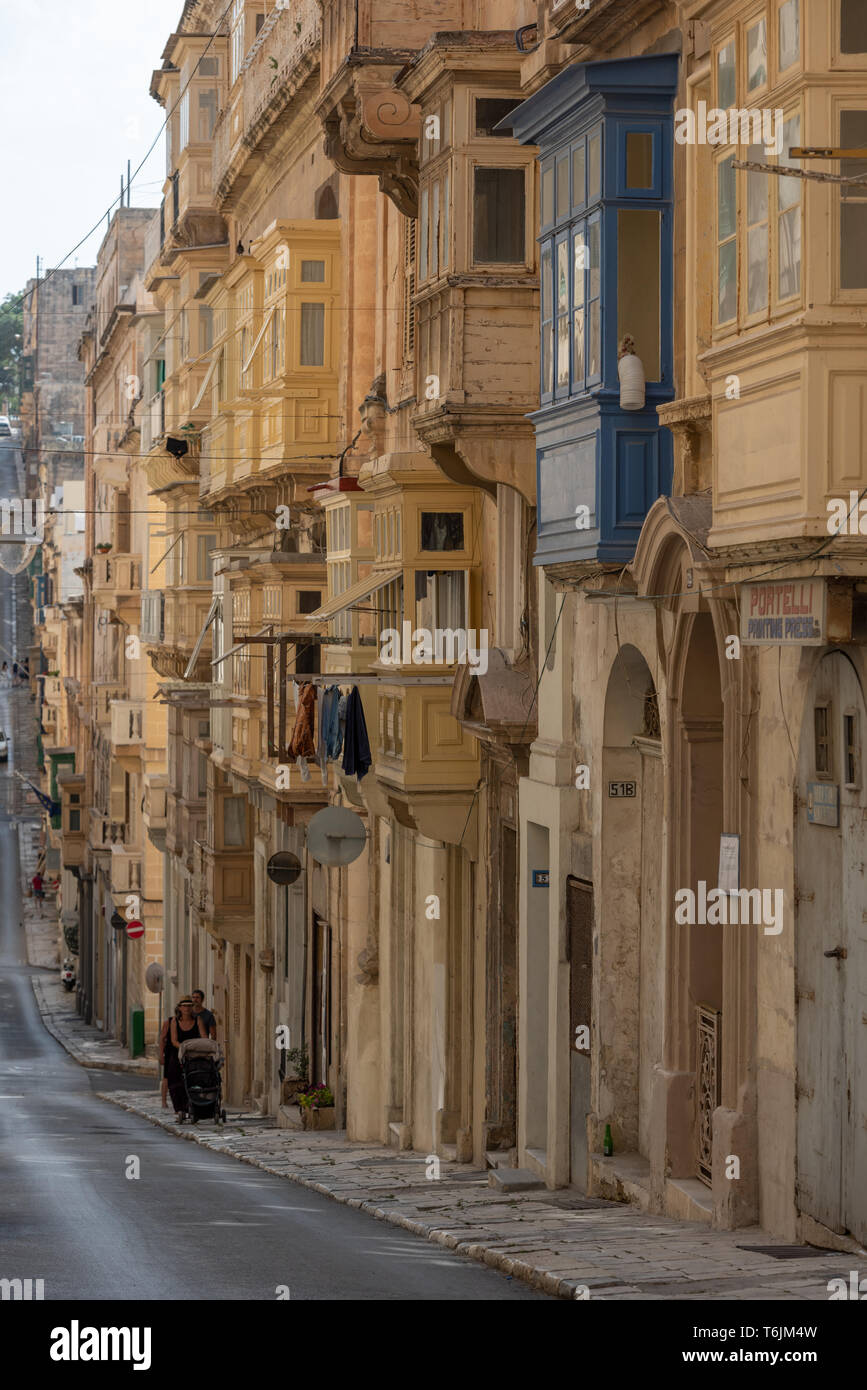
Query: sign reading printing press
{"x": 784, "y": 612}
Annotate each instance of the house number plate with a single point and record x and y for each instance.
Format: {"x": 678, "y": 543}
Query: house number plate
{"x": 621, "y": 789}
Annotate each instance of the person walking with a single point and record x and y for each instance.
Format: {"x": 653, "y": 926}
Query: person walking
{"x": 38, "y": 889}
{"x": 183, "y": 1028}
{"x": 198, "y": 996}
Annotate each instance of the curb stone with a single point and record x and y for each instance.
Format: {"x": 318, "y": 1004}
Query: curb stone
{"x": 132, "y": 1065}
{"x": 380, "y": 1213}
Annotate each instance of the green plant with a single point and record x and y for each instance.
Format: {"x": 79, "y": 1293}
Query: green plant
{"x": 298, "y": 1061}
{"x": 317, "y": 1099}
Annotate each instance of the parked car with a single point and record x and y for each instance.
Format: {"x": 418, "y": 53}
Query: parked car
{"x": 4, "y": 747}
{"x": 5, "y": 427}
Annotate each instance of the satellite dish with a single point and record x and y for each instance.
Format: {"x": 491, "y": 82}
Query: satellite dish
{"x": 283, "y": 867}
{"x": 336, "y": 836}
{"x": 154, "y": 977}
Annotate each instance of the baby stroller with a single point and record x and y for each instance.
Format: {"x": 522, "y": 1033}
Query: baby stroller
{"x": 201, "y": 1060}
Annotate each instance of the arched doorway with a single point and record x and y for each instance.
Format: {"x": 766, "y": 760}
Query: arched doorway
{"x": 631, "y": 981}
{"x": 695, "y": 973}
{"x": 831, "y": 949}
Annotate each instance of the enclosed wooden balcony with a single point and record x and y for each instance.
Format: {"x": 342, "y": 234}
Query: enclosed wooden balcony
{"x": 127, "y": 723}
{"x": 117, "y": 584}
{"x": 223, "y": 893}
{"x": 154, "y": 810}
{"x": 73, "y": 826}
{"x": 420, "y": 746}
{"x": 126, "y": 868}
{"x": 280, "y": 64}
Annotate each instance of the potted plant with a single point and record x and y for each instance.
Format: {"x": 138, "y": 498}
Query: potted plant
{"x": 103, "y": 547}
{"x": 317, "y": 1107}
{"x": 297, "y": 1074}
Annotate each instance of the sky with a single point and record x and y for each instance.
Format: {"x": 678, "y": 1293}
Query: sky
{"x": 74, "y": 107}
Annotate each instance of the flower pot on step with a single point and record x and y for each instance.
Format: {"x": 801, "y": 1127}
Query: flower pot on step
{"x": 321, "y": 1118}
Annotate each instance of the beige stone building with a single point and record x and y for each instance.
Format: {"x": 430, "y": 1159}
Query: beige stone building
{"x": 116, "y": 730}
{"x": 520, "y": 352}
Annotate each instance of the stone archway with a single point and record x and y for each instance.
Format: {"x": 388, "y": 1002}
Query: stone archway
{"x": 696, "y": 951}
{"x": 631, "y": 979}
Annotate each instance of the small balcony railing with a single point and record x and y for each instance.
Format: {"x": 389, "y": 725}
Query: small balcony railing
{"x": 127, "y": 722}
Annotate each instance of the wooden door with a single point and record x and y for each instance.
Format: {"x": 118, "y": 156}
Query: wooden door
{"x": 831, "y": 932}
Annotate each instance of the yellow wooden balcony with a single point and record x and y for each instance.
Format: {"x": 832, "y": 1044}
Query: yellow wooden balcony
{"x": 417, "y": 743}
{"x": 223, "y": 892}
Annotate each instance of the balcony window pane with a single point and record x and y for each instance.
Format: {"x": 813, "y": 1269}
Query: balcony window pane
{"x": 725, "y": 199}
{"x": 727, "y": 291}
{"x": 498, "y": 215}
{"x": 234, "y": 821}
{"x": 789, "y": 33}
{"x": 578, "y": 176}
{"x": 789, "y": 254}
{"x": 579, "y": 267}
{"x": 594, "y": 167}
{"x": 757, "y": 253}
{"x": 547, "y": 308}
{"x": 563, "y": 203}
{"x": 853, "y": 210}
{"x": 563, "y": 314}
{"x": 312, "y": 272}
{"x": 312, "y": 335}
{"x": 594, "y": 355}
{"x": 423, "y": 238}
{"x": 548, "y": 195}
{"x": 853, "y": 250}
{"x": 593, "y": 260}
{"x": 639, "y": 159}
{"x": 757, "y": 56}
{"x": 435, "y": 229}
{"x": 578, "y": 345}
{"x": 207, "y": 115}
{"x": 446, "y": 124}
{"x": 442, "y": 531}
{"x": 790, "y": 189}
{"x": 725, "y": 75}
{"x": 490, "y": 111}
{"x": 853, "y": 26}
{"x": 638, "y": 295}
{"x": 444, "y": 251}
{"x": 757, "y": 235}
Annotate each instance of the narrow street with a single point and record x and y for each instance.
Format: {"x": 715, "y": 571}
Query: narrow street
{"x": 194, "y": 1223}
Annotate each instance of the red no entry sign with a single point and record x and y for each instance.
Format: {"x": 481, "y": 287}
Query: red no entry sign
{"x": 134, "y": 929}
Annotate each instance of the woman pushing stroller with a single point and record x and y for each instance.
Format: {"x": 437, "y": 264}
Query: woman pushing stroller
{"x": 184, "y": 1026}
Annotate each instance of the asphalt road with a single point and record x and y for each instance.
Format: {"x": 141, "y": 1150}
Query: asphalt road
{"x": 194, "y": 1224}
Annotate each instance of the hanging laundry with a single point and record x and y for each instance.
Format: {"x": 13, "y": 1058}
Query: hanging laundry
{"x": 301, "y": 745}
{"x": 356, "y": 747}
{"x": 330, "y": 736}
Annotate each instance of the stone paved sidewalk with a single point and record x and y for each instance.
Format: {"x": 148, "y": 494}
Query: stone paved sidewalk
{"x": 559, "y": 1242}
{"x": 81, "y": 1040}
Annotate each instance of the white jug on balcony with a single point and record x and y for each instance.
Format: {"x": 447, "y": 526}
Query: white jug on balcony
{"x": 630, "y": 369}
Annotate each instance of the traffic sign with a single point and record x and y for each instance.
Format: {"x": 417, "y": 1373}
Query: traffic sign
{"x": 134, "y": 929}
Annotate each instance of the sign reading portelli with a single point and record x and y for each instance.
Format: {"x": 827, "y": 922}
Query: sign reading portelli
{"x": 787, "y": 612}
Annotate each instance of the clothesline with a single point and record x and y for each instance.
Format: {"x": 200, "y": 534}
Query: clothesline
{"x": 366, "y": 678}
